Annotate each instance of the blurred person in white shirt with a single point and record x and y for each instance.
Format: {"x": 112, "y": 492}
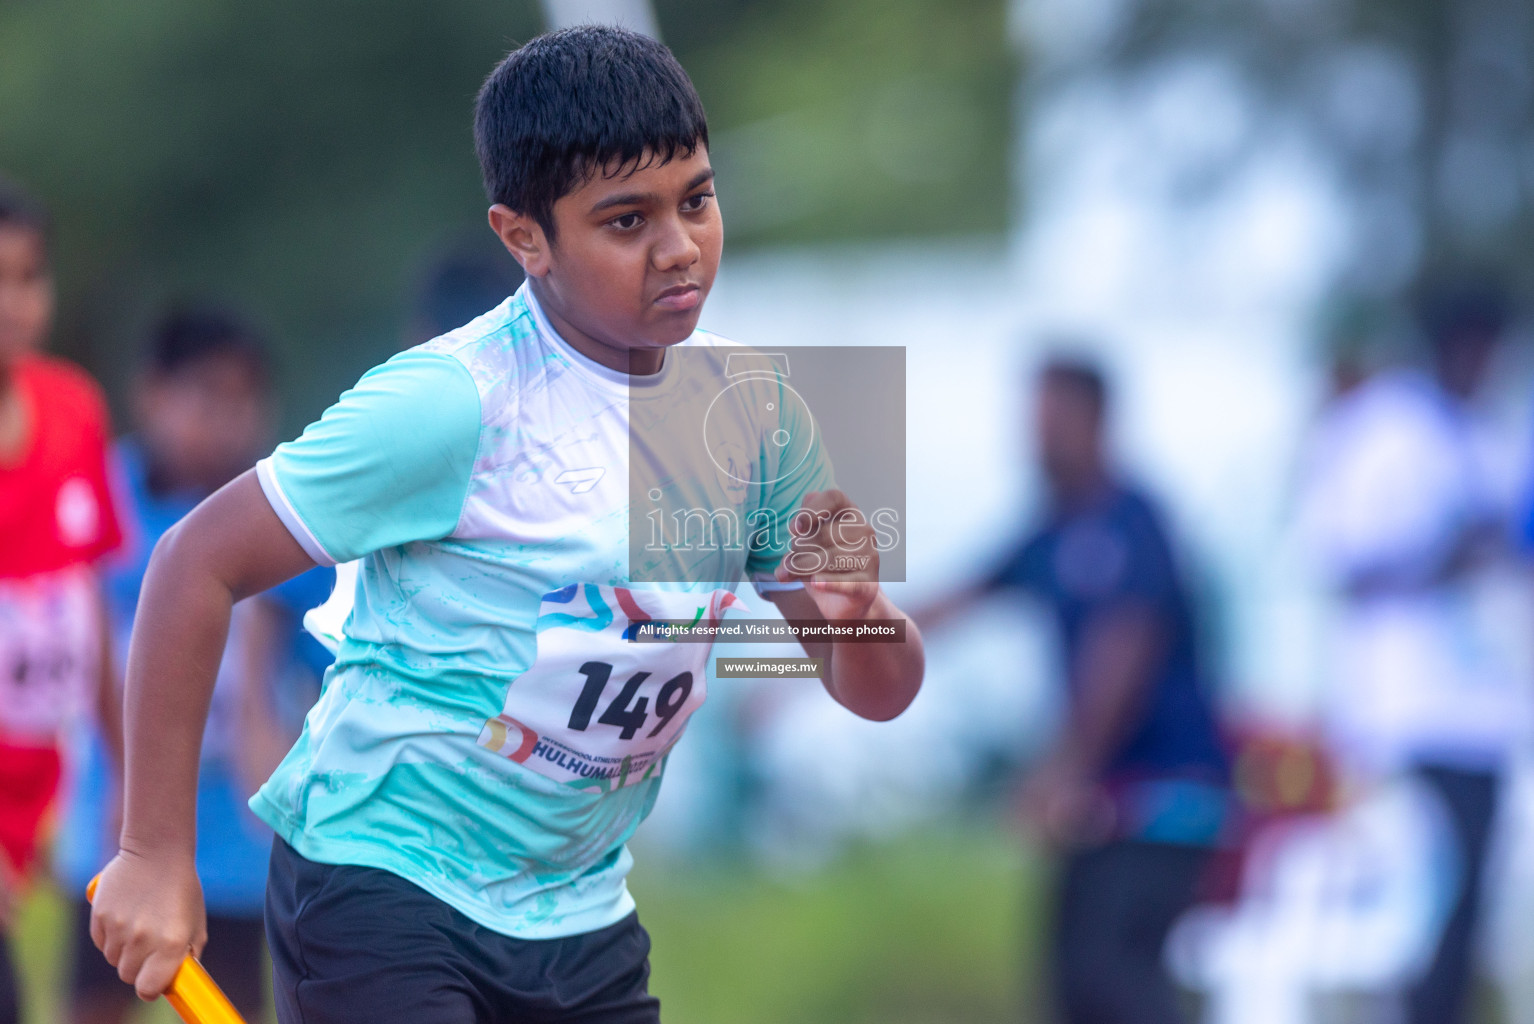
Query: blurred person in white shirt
{"x": 1407, "y": 505}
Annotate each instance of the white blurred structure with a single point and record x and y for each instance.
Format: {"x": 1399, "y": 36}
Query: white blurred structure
{"x": 1198, "y": 309}
{"x": 638, "y": 15}
{"x": 828, "y": 774}
{"x": 1199, "y": 230}
{"x": 1332, "y": 906}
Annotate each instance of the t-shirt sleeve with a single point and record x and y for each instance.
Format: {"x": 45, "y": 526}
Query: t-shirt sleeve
{"x": 389, "y": 463}
{"x": 784, "y": 494}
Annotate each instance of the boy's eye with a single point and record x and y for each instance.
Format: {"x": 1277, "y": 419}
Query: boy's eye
{"x": 693, "y": 204}
{"x": 627, "y": 222}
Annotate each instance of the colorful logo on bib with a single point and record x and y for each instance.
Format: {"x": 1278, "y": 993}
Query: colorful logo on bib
{"x": 510, "y": 737}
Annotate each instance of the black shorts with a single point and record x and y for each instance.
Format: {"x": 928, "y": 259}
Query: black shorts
{"x": 354, "y": 944}
{"x": 234, "y": 956}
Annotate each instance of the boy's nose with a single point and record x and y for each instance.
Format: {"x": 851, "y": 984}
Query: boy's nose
{"x": 675, "y": 250}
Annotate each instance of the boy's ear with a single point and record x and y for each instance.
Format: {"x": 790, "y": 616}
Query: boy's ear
{"x": 523, "y": 237}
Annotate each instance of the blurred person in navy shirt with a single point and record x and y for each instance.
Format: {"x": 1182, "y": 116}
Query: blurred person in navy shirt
{"x": 202, "y": 414}
{"x": 1133, "y": 790}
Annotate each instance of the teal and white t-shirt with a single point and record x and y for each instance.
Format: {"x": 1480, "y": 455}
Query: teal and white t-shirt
{"x": 487, "y": 731}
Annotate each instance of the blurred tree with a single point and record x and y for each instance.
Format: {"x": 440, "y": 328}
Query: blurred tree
{"x": 301, "y": 159}
{"x": 292, "y": 157}
{"x": 859, "y": 119}
{"x": 1423, "y": 109}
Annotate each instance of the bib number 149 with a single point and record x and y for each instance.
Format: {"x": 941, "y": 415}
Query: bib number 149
{"x": 628, "y": 711}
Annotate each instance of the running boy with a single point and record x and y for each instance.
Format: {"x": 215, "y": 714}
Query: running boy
{"x": 56, "y": 520}
{"x": 452, "y": 823}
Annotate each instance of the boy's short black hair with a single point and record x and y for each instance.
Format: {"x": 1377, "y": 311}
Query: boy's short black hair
{"x": 1081, "y": 377}
{"x": 576, "y": 101}
{"x": 19, "y": 210}
{"x": 188, "y": 334}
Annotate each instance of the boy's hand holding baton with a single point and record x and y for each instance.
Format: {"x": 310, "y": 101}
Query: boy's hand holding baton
{"x": 190, "y": 990}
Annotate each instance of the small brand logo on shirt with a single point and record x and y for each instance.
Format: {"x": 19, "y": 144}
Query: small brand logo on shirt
{"x": 581, "y": 480}
{"x": 77, "y": 513}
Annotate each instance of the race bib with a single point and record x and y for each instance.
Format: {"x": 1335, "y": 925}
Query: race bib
{"x": 596, "y": 711}
{"x": 50, "y": 650}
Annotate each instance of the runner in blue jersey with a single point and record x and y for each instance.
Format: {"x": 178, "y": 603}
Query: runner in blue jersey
{"x": 451, "y": 825}
{"x": 201, "y": 411}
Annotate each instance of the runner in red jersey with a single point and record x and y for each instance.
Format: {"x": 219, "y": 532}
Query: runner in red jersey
{"x": 56, "y": 520}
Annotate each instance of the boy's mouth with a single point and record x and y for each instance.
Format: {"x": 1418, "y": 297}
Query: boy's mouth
{"x": 680, "y": 298}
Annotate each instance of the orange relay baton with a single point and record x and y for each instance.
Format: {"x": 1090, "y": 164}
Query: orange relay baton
{"x": 192, "y": 992}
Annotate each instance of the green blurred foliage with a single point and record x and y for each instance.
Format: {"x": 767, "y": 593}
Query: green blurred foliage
{"x": 931, "y": 929}
{"x": 293, "y": 158}
{"x": 852, "y": 119}
{"x": 39, "y": 944}
{"x": 303, "y": 160}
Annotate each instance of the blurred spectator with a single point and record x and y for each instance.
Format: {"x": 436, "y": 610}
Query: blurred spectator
{"x": 469, "y": 277}
{"x": 1405, "y": 508}
{"x": 1359, "y": 334}
{"x": 1134, "y": 790}
{"x": 56, "y": 520}
{"x": 202, "y": 411}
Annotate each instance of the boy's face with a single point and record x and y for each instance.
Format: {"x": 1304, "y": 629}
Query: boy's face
{"x": 26, "y": 293}
{"x": 633, "y": 257}
{"x": 1067, "y": 432}
{"x": 205, "y": 422}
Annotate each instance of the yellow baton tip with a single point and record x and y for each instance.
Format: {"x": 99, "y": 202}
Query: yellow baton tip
{"x": 197, "y": 999}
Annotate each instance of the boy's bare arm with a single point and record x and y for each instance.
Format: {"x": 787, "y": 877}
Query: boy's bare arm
{"x": 873, "y": 680}
{"x": 148, "y": 910}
